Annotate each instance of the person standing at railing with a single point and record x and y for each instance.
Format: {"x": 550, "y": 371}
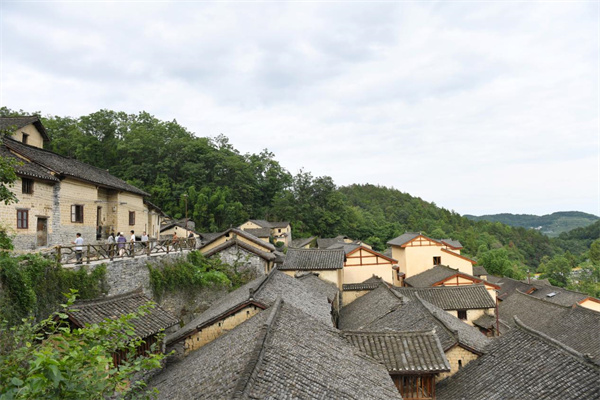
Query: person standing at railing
{"x": 175, "y": 241}
{"x": 144, "y": 239}
{"x": 121, "y": 244}
{"x": 132, "y": 240}
{"x": 78, "y": 247}
{"x": 111, "y": 244}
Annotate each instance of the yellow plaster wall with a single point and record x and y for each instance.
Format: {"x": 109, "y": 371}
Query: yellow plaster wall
{"x": 249, "y": 225}
{"x": 472, "y": 315}
{"x": 210, "y": 333}
{"x": 592, "y": 305}
{"x": 333, "y": 276}
{"x": 413, "y": 260}
{"x": 358, "y": 274}
{"x": 35, "y": 137}
{"x": 350, "y": 295}
{"x": 38, "y": 203}
{"x": 454, "y": 355}
{"x": 73, "y": 192}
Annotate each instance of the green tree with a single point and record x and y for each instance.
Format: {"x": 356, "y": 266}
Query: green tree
{"x": 594, "y": 253}
{"x": 557, "y": 270}
{"x": 50, "y": 360}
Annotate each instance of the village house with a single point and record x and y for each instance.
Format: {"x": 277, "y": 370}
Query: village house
{"x": 304, "y": 243}
{"x": 442, "y": 275}
{"x": 328, "y": 243}
{"x": 237, "y": 247}
{"x": 59, "y": 197}
{"x": 363, "y": 262}
{"x": 267, "y": 231}
{"x": 417, "y": 253}
{"x": 247, "y": 301}
{"x": 181, "y": 228}
{"x": 352, "y": 291}
{"x": 282, "y": 352}
{"x": 327, "y": 264}
{"x": 384, "y": 309}
{"x": 524, "y": 364}
{"x": 146, "y": 326}
{"x": 413, "y": 359}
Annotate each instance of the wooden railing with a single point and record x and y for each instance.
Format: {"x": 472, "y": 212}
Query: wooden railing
{"x": 96, "y": 252}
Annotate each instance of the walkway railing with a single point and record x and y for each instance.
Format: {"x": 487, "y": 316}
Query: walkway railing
{"x": 96, "y": 252}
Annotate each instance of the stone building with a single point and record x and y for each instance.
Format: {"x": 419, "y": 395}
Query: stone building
{"x": 58, "y": 196}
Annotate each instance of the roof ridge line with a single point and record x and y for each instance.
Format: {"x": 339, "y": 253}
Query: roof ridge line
{"x": 240, "y": 391}
{"x": 581, "y": 356}
{"x": 453, "y": 332}
{"x": 262, "y": 284}
{"x": 542, "y": 300}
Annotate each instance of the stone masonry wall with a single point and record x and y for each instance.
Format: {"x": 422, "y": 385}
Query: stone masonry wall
{"x": 244, "y": 259}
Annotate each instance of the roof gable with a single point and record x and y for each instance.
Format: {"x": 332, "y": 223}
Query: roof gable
{"x": 371, "y": 251}
{"x": 16, "y": 123}
{"x": 233, "y": 232}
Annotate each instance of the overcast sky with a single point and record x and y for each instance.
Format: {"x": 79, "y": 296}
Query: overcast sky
{"x": 480, "y": 107}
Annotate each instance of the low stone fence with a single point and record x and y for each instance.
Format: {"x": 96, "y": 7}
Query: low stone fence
{"x": 98, "y": 252}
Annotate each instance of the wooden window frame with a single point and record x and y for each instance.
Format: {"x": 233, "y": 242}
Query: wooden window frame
{"x": 131, "y": 218}
{"x": 27, "y": 186}
{"x": 77, "y": 217}
{"x": 22, "y": 219}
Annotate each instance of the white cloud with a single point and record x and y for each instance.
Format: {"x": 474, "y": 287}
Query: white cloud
{"x": 480, "y": 107}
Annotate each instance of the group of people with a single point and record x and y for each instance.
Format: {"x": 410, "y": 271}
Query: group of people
{"x": 121, "y": 242}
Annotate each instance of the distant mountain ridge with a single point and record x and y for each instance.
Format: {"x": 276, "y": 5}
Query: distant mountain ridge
{"x": 552, "y": 224}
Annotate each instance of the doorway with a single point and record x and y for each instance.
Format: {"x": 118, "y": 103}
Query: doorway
{"x": 42, "y": 231}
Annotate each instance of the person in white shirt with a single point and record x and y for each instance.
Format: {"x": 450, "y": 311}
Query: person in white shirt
{"x": 132, "y": 240}
{"x": 78, "y": 247}
{"x": 144, "y": 239}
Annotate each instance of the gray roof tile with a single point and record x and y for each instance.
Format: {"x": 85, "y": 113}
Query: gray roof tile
{"x": 14, "y": 123}
{"x": 468, "y": 297}
{"x": 433, "y": 275}
{"x": 313, "y": 259}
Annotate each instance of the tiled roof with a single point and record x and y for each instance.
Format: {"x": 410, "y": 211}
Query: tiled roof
{"x": 508, "y": 286}
{"x": 281, "y": 353}
{"x": 269, "y": 224}
{"x": 526, "y": 365}
{"x": 98, "y": 310}
{"x": 244, "y": 234}
{"x": 576, "y": 327}
{"x": 383, "y": 309}
{"x": 235, "y": 242}
{"x": 466, "y": 297}
{"x": 313, "y": 259}
{"x": 452, "y": 243}
{"x": 431, "y": 276}
{"x": 14, "y": 123}
{"x": 299, "y": 243}
{"x": 347, "y": 247}
{"x": 70, "y": 167}
{"x": 363, "y": 311}
{"x": 318, "y": 285}
{"x": 403, "y": 239}
{"x": 28, "y": 169}
{"x": 262, "y": 291}
{"x": 558, "y": 295}
{"x": 370, "y": 284}
{"x": 479, "y": 270}
{"x": 260, "y": 232}
{"x": 403, "y": 352}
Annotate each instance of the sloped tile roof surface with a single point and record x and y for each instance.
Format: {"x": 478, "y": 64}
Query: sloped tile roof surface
{"x": 466, "y": 297}
{"x": 404, "y": 238}
{"x": 414, "y": 352}
{"x": 269, "y": 224}
{"x": 313, "y": 259}
{"x": 282, "y": 353}
{"x": 508, "y": 286}
{"x": 70, "y": 167}
{"x": 431, "y": 276}
{"x": 575, "y": 327}
{"x": 384, "y": 310}
{"x": 452, "y": 243}
{"x": 479, "y": 270}
{"x": 525, "y": 365}
{"x": 319, "y": 285}
{"x": 238, "y": 232}
{"x": 98, "y": 310}
{"x": 558, "y": 295}
{"x": 19, "y": 122}
{"x": 299, "y": 243}
{"x": 265, "y": 291}
{"x": 260, "y": 232}
{"x": 362, "y": 312}
{"x": 27, "y": 168}
{"x": 235, "y": 242}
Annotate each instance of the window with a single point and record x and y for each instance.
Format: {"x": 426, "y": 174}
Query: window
{"x": 459, "y": 364}
{"x": 131, "y": 217}
{"x": 25, "y": 138}
{"x": 77, "y": 213}
{"x": 27, "y": 186}
{"x": 437, "y": 260}
{"x": 22, "y": 219}
{"x": 462, "y": 314}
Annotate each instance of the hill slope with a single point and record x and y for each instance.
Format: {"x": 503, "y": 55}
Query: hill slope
{"x": 552, "y": 224}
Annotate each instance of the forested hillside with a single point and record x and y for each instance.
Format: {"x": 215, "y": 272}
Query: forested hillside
{"x": 224, "y": 188}
{"x": 552, "y": 224}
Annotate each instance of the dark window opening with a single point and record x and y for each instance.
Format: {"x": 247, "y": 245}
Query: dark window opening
{"x": 437, "y": 260}
{"x": 77, "y": 213}
{"x": 131, "y": 217}
{"x": 27, "y": 186}
{"x": 462, "y": 314}
{"x": 22, "y": 219}
{"x": 459, "y": 364}
{"x": 25, "y": 138}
